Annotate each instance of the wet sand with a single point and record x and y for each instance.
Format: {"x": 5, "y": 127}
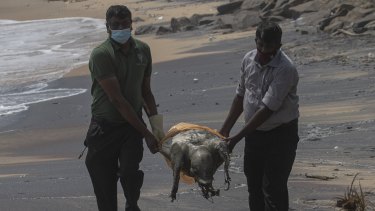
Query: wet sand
{"x": 39, "y": 147}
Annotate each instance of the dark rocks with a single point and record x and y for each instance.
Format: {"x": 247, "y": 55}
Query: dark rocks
{"x": 246, "y": 19}
{"x": 253, "y": 4}
{"x": 163, "y": 30}
{"x": 229, "y": 8}
{"x": 144, "y": 29}
{"x": 196, "y": 18}
{"x": 351, "y": 17}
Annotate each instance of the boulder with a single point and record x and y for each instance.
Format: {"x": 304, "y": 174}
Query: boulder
{"x": 253, "y": 4}
{"x": 359, "y": 26}
{"x": 205, "y": 21}
{"x": 334, "y": 26}
{"x": 246, "y": 19}
{"x": 229, "y": 8}
{"x": 196, "y": 18}
{"x": 224, "y": 22}
{"x": 163, "y": 30}
{"x": 371, "y": 25}
{"x": 144, "y": 29}
{"x": 178, "y": 24}
{"x": 283, "y": 12}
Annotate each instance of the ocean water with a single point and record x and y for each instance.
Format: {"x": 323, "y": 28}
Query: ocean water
{"x": 34, "y": 53}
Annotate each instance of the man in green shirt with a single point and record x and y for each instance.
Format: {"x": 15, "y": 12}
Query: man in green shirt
{"x": 120, "y": 69}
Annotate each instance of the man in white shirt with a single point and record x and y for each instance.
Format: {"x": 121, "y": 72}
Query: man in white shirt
{"x": 267, "y": 94}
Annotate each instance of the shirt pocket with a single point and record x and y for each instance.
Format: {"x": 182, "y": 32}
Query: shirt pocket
{"x": 141, "y": 60}
{"x": 251, "y": 83}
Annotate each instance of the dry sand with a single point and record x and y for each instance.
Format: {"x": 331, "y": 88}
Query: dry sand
{"x": 38, "y": 165}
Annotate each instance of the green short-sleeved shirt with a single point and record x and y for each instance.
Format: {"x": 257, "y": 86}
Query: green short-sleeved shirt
{"x": 108, "y": 60}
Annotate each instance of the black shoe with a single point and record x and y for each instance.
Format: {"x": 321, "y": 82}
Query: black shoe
{"x": 133, "y": 208}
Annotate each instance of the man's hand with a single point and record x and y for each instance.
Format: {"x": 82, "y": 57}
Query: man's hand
{"x": 232, "y": 141}
{"x": 224, "y": 132}
{"x": 152, "y": 143}
{"x": 156, "y": 122}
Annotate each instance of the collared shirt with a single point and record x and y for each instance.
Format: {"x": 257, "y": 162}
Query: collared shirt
{"x": 273, "y": 84}
{"x": 130, "y": 69}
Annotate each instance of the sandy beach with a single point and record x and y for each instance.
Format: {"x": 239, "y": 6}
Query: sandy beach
{"x": 39, "y": 169}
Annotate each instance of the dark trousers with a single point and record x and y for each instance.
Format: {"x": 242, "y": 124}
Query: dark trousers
{"x": 114, "y": 152}
{"x": 268, "y": 161}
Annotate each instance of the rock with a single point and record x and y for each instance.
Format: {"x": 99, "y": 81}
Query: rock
{"x": 283, "y": 12}
{"x": 281, "y": 3}
{"x": 341, "y": 10}
{"x": 338, "y": 11}
{"x": 253, "y": 4}
{"x": 229, "y": 8}
{"x": 360, "y": 13}
{"x": 137, "y": 19}
{"x": 274, "y": 18}
{"x": 294, "y": 3}
{"x": 334, "y": 26}
{"x": 189, "y": 28}
{"x": 371, "y": 25}
{"x": 196, "y": 18}
{"x": 307, "y": 7}
{"x": 246, "y": 19}
{"x": 324, "y": 23}
{"x": 333, "y": 16}
{"x": 205, "y": 22}
{"x": 144, "y": 29}
{"x": 163, "y": 30}
{"x": 269, "y": 6}
{"x": 225, "y": 22}
{"x": 177, "y": 24}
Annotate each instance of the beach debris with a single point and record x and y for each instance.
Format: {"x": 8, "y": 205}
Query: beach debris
{"x": 353, "y": 199}
{"x": 320, "y": 177}
{"x": 195, "y": 153}
{"x": 211, "y": 37}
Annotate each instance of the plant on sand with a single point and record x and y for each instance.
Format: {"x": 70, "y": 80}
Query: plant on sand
{"x": 354, "y": 200}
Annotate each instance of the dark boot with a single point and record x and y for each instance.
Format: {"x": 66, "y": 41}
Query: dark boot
{"x": 132, "y": 189}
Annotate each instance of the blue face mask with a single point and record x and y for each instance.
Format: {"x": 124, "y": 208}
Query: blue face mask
{"x": 121, "y": 36}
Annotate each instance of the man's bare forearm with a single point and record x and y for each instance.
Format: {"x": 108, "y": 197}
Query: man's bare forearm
{"x": 234, "y": 112}
{"x": 257, "y": 119}
{"x": 149, "y": 104}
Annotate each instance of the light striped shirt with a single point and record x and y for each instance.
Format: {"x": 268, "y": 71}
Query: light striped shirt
{"x": 274, "y": 85}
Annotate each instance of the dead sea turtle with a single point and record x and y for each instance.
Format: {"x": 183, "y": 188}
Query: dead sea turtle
{"x": 195, "y": 152}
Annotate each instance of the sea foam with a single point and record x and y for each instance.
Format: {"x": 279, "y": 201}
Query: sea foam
{"x": 37, "y": 52}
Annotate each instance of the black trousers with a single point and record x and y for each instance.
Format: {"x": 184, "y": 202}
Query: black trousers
{"x": 268, "y": 161}
{"x": 114, "y": 152}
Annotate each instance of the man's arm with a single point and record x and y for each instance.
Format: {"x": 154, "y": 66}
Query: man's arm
{"x": 256, "y": 120}
{"x": 148, "y": 98}
{"x": 234, "y": 112}
{"x": 149, "y": 105}
{"x": 111, "y": 87}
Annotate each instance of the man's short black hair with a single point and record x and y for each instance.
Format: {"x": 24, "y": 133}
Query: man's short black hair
{"x": 120, "y": 11}
{"x": 269, "y": 32}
